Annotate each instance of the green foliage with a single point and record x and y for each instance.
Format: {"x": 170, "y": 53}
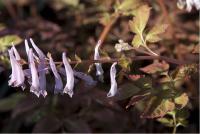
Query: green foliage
{"x": 153, "y": 35}
{"x": 139, "y": 22}
{"x": 128, "y": 7}
{"x": 138, "y": 25}
{"x": 181, "y": 101}
{"x": 105, "y": 19}
{"x": 7, "y": 40}
{"x": 137, "y": 41}
{"x": 166, "y": 121}
{"x": 127, "y": 90}
{"x": 157, "y": 107}
{"x": 9, "y": 103}
{"x": 125, "y": 62}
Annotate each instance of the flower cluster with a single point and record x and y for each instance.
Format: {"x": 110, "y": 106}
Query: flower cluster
{"x": 40, "y": 65}
{"x": 189, "y": 4}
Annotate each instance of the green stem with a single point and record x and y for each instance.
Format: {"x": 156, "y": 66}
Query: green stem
{"x": 145, "y": 46}
{"x": 175, "y": 125}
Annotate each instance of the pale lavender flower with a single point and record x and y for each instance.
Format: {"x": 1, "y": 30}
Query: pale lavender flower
{"x": 17, "y": 76}
{"x": 86, "y": 78}
{"x": 99, "y": 69}
{"x": 17, "y": 56}
{"x": 58, "y": 80}
{"x": 41, "y": 66}
{"x": 39, "y": 52}
{"x": 189, "y": 4}
{"x": 26, "y": 46}
{"x": 70, "y": 76}
{"x": 113, "y": 88}
{"x": 35, "y": 85}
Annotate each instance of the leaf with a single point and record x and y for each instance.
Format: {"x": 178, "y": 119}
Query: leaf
{"x": 27, "y": 104}
{"x": 7, "y": 40}
{"x": 135, "y": 99}
{"x": 47, "y": 124}
{"x": 128, "y": 5}
{"x": 127, "y": 90}
{"x": 181, "y": 101}
{"x": 125, "y": 62}
{"x": 153, "y": 34}
{"x": 166, "y": 121}
{"x": 157, "y": 107}
{"x": 184, "y": 71}
{"x": 10, "y": 102}
{"x": 105, "y": 19}
{"x": 138, "y": 24}
{"x": 76, "y": 126}
{"x": 155, "y": 67}
{"x": 137, "y": 41}
{"x": 73, "y": 3}
{"x": 181, "y": 116}
{"x": 77, "y": 58}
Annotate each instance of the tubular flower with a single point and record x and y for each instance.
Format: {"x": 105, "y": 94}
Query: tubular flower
{"x": 189, "y": 4}
{"x": 113, "y": 88}
{"x": 99, "y": 69}
{"x": 34, "y": 75}
{"x": 70, "y": 76}
{"x": 58, "y": 80}
{"x": 17, "y": 56}
{"x": 41, "y": 66}
{"x": 17, "y": 76}
{"x": 86, "y": 78}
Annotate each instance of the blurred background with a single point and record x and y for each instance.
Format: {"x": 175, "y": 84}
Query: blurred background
{"x": 74, "y": 26}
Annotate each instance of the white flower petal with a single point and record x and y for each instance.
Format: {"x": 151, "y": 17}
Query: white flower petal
{"x": 99, "y": 69}
{"x": 17, "y": 56}
{"x": 70, "y": 76}
{"x": 17, "y": 76}
{"x": 39, "y": 52}
{"x": 58, "y": 80}
{"x": 34, "y": 75}
{"x": 113, "y": 88}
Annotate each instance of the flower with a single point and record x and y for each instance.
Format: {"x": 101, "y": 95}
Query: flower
{"x": 113, "y": 88}
{"x": 70, "y": 76}
{"x": 41, "y": 66}
{"x": 99, "y": 69}
{"x": 35, "y": 88}
{"x": 122, "y": 46}
{"x": 17, "y": 56}
{"x": 86, "y": 78}
{"x": 189, "y": 4}
{"x": 17, "y": 77}
{"x": 58, "y": 80}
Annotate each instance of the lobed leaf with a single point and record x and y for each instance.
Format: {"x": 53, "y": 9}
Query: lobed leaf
{"x": 128, "y": 5}
{"x": 138, "y": 24}
{"x": 157, "y": 107}
{"x": 6, "y": 41}
{"x": 153, "y": 35}
{"x": 181, "y": 101}
{"x": 137, "y": 41}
